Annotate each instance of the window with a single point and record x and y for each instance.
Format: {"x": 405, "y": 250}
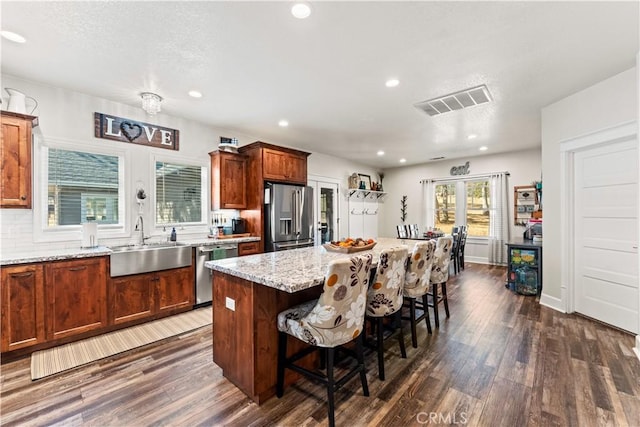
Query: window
{"x": 445, "y": 215}
{"x": 478, "y": 203}
{"x": 179, "y": 193}
{"x": 463, "y": 202}
{"x": 82, "y": 187}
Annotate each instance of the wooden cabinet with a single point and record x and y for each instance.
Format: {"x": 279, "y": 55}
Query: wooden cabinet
{"x": 175, "y": 289}
{"x": 15, "y": 160}
{"x": 248, "y": 248}
{"x": 228, "y": 180}
{"x": 132, "y": 298}
{"x": 285, "y": 166}
{"x": 266, "y": 162}
{"x": 76, "y": 297}
{"x": 141, "y": 296}
{"x": 22, "y": 305}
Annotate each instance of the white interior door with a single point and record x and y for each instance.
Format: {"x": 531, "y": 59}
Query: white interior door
{"x": 326, "y": 211}
{"x": 606, "y": 230}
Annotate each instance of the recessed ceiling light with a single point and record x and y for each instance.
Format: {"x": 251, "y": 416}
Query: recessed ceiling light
{"x": 472, "y": 136}
{"x": 301, "y": 10}
{"x": 403, "y": 160}
{"x": 380, "y": 153}
{"x": 14, "y": 37}
{"x": 392, "y": 83}
{"x": 483, "y": 148}
{"x": 195, "y": 94}
{"x": 283, "y": 123}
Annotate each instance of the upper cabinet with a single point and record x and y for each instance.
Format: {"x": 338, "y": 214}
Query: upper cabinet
{"x": 228, "y": 180}
{"x": 285, "y": 166}
{"x": 15, "y": 160}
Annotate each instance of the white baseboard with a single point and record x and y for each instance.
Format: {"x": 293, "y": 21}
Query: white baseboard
{"x": 552, "y": 302}
{"x": 476, "y": 260}
{"x": 636, "y": 349}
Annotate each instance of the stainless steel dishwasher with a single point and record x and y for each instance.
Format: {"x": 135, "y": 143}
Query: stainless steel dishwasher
{"x": 204, "y": 274}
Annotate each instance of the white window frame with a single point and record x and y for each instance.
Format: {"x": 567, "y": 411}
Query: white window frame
{"x": 204, "y": 192}
{"x": 41, "y": 231}
{"x": 461, "y": 200}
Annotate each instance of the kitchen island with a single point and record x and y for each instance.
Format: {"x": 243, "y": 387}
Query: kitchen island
{"x": 248, "y": 294}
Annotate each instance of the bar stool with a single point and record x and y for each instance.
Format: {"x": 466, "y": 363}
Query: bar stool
{"x": 384, "y": 299}
{"x": 332, "y": 320}
{"x": 440, "y": 275}
{"x": 416, "y": 285}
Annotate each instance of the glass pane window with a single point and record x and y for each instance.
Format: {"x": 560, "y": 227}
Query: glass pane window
{"x": 178, "y": 193}
{"x": 82, "y": 187}
{"x": 445, "y": 212}
{"x": 478, "y": 203}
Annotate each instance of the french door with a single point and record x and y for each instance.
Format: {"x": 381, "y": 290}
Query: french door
{"x": 326, "y": 211}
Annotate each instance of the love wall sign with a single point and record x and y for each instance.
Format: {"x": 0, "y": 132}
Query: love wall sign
{"x": 125, "y": 130}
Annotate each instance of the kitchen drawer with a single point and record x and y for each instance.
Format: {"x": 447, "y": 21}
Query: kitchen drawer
{"x": 248, "y": 248}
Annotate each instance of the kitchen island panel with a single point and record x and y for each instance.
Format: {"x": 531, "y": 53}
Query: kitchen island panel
{"x": 245, "y": 340}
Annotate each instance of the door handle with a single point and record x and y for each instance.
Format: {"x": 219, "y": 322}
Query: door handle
{"x": 84, "y": 267}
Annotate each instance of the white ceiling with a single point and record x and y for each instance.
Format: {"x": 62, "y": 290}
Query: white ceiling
{"x": 256, "y": 64}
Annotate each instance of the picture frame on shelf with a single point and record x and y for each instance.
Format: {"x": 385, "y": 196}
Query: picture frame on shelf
{"x": 366, "y": 179}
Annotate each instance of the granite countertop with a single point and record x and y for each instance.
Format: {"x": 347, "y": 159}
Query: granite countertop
{"x": 41, "y": 253}
{"x": 294, "y": 270}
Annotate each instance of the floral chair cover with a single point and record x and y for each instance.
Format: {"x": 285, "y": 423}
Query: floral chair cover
{"x": 418, "y": 272}
{"x": 384, "y": 297}
{"x": 440, "y": 268}
{"x": 338, "y": 315}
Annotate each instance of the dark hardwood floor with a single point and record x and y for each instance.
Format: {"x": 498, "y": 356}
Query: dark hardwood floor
{"x": 500, "y": 360}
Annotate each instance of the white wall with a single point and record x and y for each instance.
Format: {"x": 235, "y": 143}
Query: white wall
{"x": 68, "y": 116}
{"x": 605, "y": 104}
{"x": 523, "y": 166}
{"x": 321, "y": 165}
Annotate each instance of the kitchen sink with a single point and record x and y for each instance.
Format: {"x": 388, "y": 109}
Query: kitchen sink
{"x": 135, "y": 259}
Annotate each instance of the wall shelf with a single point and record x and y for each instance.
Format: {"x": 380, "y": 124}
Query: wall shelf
{"x": 356, "y": 193}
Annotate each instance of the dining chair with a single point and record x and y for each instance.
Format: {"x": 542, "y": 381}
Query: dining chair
{"x": 463, "y": 242}
{"x": 416, "y": 285}
{"x": 439, "y": 276}
{"x": 384, "y": 300}
{"x": 325, "y": 324}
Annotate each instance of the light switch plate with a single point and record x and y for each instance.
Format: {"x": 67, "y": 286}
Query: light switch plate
{"x": 230, "y": 304}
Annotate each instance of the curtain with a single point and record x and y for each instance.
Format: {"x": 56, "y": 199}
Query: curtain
{"x": 428, "y": 205}
{"x": 498, "y": 219}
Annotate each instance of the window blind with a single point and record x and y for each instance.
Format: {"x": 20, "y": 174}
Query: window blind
{"x": 178, "y": 193}
{"x": 82, "y": 187}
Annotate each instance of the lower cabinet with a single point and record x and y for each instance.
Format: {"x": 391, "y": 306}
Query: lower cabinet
{"x": 22, "y": 306}
{"x": 175, "y": 289}
{"x": 46, "y": 302}
{"x": 248, "y": 248}
{"x": 132, "y": 298}
{"x": 76, "y": 297}
{"x": 148, "y": 295}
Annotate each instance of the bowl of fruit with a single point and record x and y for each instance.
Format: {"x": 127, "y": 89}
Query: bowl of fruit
{"x": 350, "y": 245}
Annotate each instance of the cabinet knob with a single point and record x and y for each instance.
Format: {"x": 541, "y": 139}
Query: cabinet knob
{"x": 23, "y": 197}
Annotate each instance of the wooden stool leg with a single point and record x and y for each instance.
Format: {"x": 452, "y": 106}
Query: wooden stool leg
{"x": 434, "y": 290}
{"x": 425, "y": 302}
{"x": 398, "y": 321}
{"x": 331, "y": 386}
{"x": 444, "y": 298}
{"x": 282, "y": 356}
{"x": 363, "y": 369}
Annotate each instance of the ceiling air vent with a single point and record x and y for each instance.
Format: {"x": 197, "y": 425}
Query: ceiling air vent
{"x": 455, "y": 101}
{"x": 437, "y": 158}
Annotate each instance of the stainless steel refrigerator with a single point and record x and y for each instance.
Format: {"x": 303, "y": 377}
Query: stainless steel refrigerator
{"x": 288, "y": 217}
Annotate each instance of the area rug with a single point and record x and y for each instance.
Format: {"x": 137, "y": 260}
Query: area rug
{"x": 58, "y": 359}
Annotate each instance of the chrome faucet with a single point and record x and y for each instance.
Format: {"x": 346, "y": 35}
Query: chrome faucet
{"x": 140, "y": 228}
